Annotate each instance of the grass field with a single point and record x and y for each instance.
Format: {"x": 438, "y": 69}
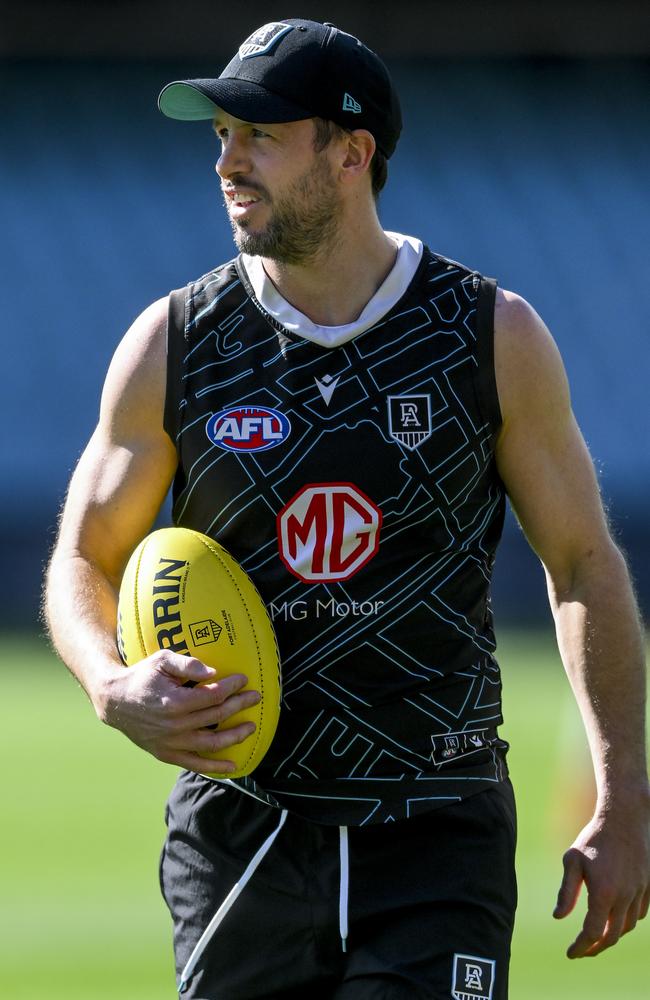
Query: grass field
{"x": 82, "y": 826}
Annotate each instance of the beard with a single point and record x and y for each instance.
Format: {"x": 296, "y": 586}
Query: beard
{"x": 304, "y": 219}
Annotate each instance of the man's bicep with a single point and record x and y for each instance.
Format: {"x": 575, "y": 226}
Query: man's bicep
{"x": 542, "y": 457}
{"x": 554, "y": 494}
{"x": 114, "y": 497}
{"x": 125, "y": 471}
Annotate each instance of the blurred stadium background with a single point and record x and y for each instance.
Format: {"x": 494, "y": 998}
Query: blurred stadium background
{"x": 526, "y": 154}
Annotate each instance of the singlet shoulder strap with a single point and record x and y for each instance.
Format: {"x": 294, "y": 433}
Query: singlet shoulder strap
{"x": 176, "y": 344}
{"x": 488, "y": 397}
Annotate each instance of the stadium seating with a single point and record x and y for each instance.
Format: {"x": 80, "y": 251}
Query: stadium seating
{"x": 533, "y": 172}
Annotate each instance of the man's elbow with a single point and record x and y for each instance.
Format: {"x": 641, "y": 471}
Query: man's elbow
{"x": 598, "y": 567}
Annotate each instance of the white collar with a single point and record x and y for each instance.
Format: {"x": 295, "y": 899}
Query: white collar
{"x": 409, "y": 254}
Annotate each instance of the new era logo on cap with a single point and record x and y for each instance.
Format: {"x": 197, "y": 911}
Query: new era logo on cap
{"x": 349, "y": 104}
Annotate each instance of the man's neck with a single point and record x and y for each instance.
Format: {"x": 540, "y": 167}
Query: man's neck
{"x": 334, "y": 288}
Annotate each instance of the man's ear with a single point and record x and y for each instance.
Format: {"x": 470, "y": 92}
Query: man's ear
{"x": 358, "y": 152}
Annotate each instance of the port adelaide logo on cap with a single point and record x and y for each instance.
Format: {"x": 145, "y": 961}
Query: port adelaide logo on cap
{"x": 248, "y": 428}
{"x": 263, "y": 40}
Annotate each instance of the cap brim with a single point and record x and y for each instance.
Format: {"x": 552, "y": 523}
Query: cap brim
{"x": 196, "y": 100}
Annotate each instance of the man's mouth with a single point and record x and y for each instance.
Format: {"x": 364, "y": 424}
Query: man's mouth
{"x": 240, "y": 202}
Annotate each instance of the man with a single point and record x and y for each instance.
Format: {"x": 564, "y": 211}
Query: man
{"x": 372, "y": 850}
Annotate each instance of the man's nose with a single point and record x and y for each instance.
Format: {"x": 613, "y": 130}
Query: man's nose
{"x": 233, "y": 159}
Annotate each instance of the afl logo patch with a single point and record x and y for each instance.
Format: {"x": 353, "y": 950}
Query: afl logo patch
{"x": 248, "y": 428}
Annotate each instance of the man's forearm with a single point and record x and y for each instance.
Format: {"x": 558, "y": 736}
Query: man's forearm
{"x": 601, "y": 643}
{"x": 80, "y": 611}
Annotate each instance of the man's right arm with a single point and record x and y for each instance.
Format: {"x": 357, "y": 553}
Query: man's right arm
{"x": 114, "y": 496}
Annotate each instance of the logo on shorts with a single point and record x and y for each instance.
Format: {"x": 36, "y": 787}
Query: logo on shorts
{"x": 473, "y": 978}
{"x": 409, "y": 419}
{"x": 262, "y": 41}
{"x": 328, "y": 531}
{"x": 248, "y": 428}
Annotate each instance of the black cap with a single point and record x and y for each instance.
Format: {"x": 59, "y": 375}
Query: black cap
{"x": 295, "y": 69}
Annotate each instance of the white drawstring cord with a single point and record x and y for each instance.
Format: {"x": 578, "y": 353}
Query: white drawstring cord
{"x": 344, "y": 887}
{"x": 236, "y": 890}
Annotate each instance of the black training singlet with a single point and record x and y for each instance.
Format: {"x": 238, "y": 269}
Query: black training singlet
{"x": 357, "y": 486}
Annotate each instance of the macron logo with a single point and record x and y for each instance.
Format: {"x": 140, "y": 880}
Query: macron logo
{"x": 349, "y": 104}
{"x": 326, "y": 386}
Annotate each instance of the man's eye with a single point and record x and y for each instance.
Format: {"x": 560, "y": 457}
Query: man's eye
{"x": 259, "y": 134}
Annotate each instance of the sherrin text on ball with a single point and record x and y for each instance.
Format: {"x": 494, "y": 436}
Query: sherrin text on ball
{"x": 183, "y": 591}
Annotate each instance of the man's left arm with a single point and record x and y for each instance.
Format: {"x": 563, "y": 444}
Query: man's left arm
{"x": 550, "y": 479}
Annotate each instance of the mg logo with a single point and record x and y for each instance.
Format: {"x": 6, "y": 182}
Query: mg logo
{"x": 328, "y": 531}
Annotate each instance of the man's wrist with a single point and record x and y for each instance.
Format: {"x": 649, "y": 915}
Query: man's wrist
{"x": 103, "y": 693}
{"x": 624, "y": 796}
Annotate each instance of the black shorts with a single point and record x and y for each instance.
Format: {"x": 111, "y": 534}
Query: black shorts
{"x": 426, "y": 904}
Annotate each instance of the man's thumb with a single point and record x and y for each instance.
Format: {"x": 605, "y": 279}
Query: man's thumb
{"x": 188, "y": 669}
{"x": 567, "y": 896}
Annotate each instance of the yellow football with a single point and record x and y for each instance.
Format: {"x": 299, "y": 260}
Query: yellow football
{"x": 182, "y": 591}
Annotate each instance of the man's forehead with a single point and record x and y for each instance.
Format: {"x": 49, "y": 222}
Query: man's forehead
{"x": 222, "y": 118}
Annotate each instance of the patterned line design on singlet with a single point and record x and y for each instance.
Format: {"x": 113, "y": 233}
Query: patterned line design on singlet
{"x": 381, "y": 668}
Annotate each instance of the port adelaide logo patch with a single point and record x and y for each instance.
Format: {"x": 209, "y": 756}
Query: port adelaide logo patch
{"x": 264, "y": 39}
{"x": 248, "y": 428}
{"x": 472, "y": 978}
{"x": 409, "y": 419}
